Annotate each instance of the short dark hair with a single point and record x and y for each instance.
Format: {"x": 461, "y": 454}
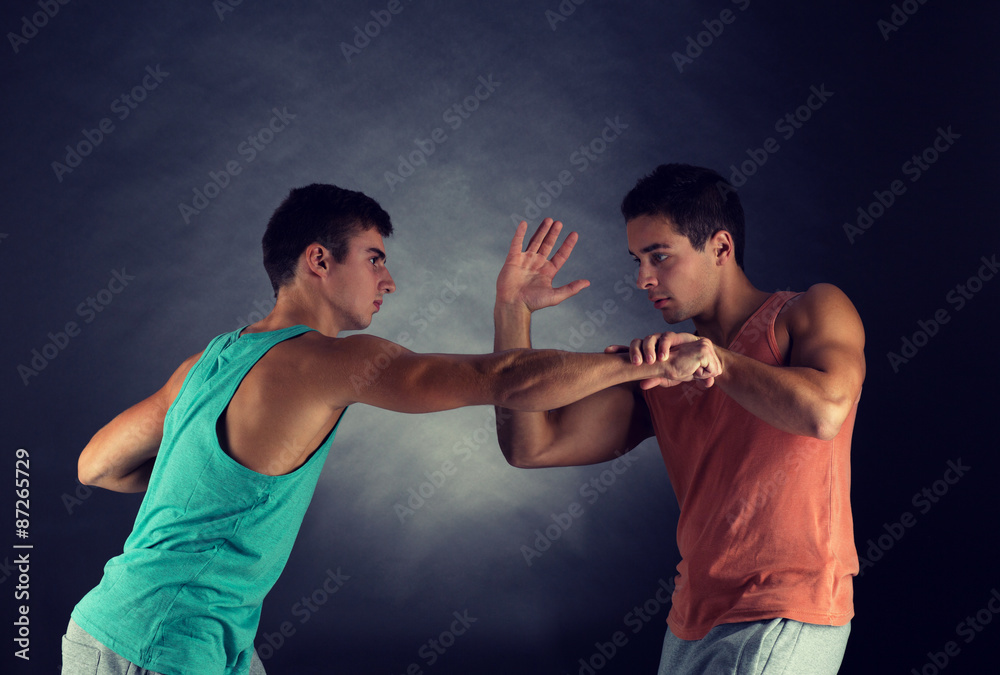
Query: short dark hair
{"x": 317, "y": 213}
{"x": 699, "y": 202}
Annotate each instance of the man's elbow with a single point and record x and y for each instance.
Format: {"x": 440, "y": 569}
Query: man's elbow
{"x": 527, "y": 463}
{"x": 826, "y": 430}
{"x": 522, "y": 457}
{"x": 827, "y": 422}
{"x": 87, "y": 476}
{"x": 88, "y": 471}
{"x": 517, "y": 460}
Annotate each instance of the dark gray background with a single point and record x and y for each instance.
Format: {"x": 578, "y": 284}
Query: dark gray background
{"x": 63, "y": 237}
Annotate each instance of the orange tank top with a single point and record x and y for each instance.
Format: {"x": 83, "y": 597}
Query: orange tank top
{"x": 765, "y": 527}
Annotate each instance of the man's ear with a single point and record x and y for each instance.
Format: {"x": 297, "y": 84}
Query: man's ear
{"x": 317, "y": 259}
{"x": 721, "y": 246}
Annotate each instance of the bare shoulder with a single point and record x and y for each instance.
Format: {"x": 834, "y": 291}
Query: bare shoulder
{"x": 819, "y": 297}
{"x": 333, "y": 369}
{"x": 339, "y": 353}
{"x": 822, "y": 307}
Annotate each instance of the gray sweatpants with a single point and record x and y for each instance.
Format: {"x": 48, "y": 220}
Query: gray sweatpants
{"x": 82, "y": 654}
{"x": 772, "y": 647}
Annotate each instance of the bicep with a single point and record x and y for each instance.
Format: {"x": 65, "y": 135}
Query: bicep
{"x": 828, "y": 336}
{"x": 383, "y": 374}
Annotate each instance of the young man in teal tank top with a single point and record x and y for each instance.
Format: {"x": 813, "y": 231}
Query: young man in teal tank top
{"x": 756, "y": 461}
{"x": 230, "y": 448}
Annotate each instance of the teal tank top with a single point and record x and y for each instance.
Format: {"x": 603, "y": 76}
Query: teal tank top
{"x": 211, "y": 536}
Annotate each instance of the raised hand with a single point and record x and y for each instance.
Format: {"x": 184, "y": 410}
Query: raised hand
{"x": 526, "y": 276}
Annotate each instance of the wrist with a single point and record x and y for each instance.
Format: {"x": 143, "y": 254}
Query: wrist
{"x": 511, "y": 326}
{"x": 726, "y": 360}
{"x": 505, "y": 310}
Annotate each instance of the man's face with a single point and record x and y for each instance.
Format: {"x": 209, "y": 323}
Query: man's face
{"x": 677, "y": 278}
{"x": 356, "y": 286}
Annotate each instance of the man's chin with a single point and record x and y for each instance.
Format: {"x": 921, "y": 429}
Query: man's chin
{"x": 360, "y": 324}
{"x": 673, "y": 317}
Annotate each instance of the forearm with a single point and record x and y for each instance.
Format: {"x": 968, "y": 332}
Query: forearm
{"x": 541, "y": 380}
{"x": 594, "y": 429}
{"x": 538, "y": 380}
{"x": 120, "y": 456}
{"x": 134, "y": 481}
{"x": 799, "y": 400}
{"x": 522, "y": 436}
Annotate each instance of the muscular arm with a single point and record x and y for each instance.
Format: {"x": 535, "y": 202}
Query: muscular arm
{"x": 592, "y": 430}
{"x": 815, "y": 393}
{"x": 120, "y": 456}
{"x": 367, "y": 369}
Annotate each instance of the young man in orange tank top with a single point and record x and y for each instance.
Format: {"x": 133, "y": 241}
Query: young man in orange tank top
{"x": 759, "y": 457}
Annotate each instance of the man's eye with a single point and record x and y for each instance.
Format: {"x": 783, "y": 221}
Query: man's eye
{"x": 660, "y": 257}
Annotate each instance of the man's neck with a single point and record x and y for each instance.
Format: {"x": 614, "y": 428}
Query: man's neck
{"x": 736, "y": 301}
{"x": 290, "y": 309}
